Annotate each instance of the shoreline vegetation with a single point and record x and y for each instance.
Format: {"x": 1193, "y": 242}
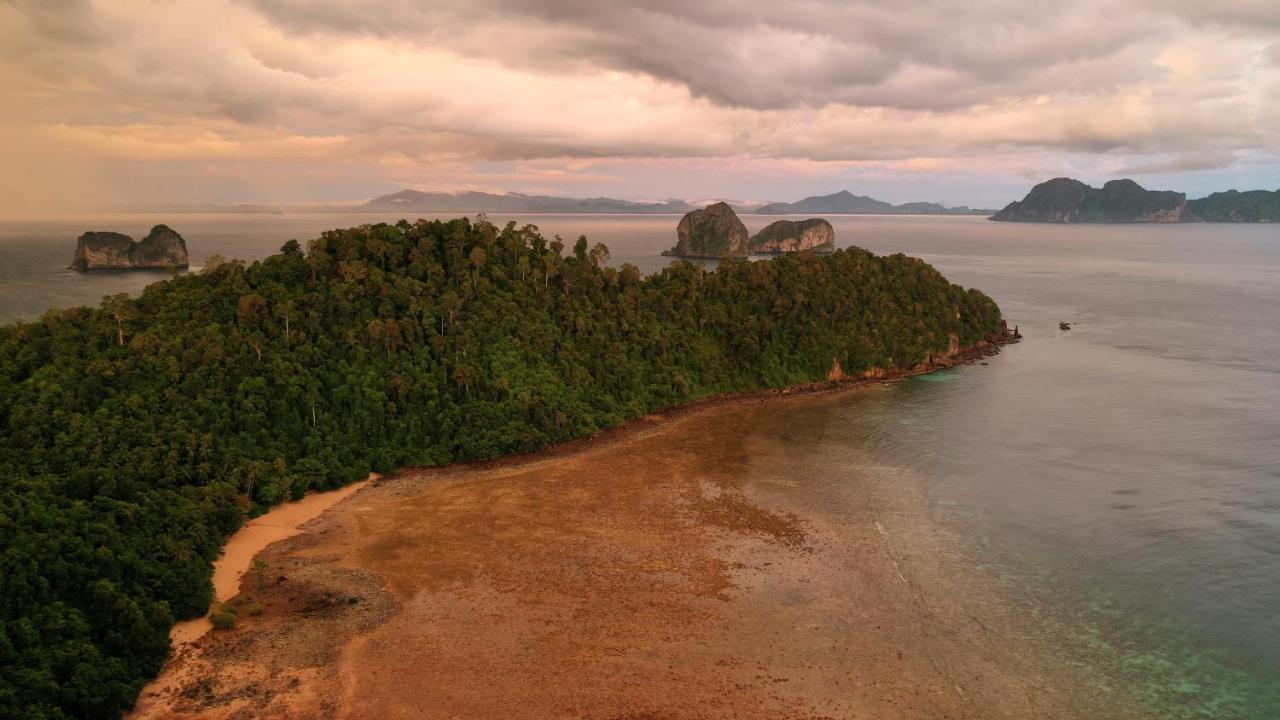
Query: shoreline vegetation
{"x": 142, "y": 433}
{"x": 236, "y": 559}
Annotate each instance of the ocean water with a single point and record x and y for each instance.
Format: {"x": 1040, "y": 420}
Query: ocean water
{"x": 1124, "y": 476}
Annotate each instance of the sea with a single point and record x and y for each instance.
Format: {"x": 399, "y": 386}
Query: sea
{"x": 1123, "y": 475}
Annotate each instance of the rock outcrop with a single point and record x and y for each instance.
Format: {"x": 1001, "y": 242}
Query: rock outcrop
{"x": 786, "y": 236}
{"x": 711, "y": 232}
{"x": 161, "y": 248}
{"x": 1064, "y": 200}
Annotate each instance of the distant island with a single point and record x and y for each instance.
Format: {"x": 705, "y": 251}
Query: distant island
{"x": 710, "y": 232}
{"x": 471, "y": 202}
{"x": 716, "y": 232}
{"x": 161, "y": 248}
{"x": 1251, "y": 206}
{"x": 788, "y": 236}
{"x": 846, "y": 203}
{"x": 1066, "y": 200}
{"x": 840, "y": 203}
{"x": 516, "y": 203}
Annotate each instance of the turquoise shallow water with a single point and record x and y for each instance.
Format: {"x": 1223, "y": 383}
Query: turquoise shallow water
{"x": 1123, "y": 476}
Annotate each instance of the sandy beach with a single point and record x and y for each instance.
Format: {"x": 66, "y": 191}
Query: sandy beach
{"x": 669, "y": 569}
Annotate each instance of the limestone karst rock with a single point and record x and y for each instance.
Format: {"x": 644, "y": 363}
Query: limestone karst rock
{"x": 711, "y": 232}
{"x": 784, "y": 236}
{"x": 161, "y": 248}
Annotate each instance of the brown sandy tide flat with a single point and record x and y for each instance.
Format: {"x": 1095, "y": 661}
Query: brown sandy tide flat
{"x": 638, "y": 577}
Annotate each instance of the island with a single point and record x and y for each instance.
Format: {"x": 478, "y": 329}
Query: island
{"x": 1066, "y": 200}
{"x": 846, "y": 203}
{"x": 162, "y": 248}
{"x": 788, "y": 236}
{"x": 421, "y": 201}
{"x": 714, "y": 231}
{"x": 1251, "y": 206}
{"x": 148, "y": 429}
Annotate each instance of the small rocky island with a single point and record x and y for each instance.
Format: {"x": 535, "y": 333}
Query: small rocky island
{"x": 786, "y": 236}
{"x": 161, "y": 248}
{"x": 710, "y": 232}
{"x": 1065, "y": 200}
{"x": 715, "y": 232}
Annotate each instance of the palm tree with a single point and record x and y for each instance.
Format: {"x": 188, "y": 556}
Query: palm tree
{"x": 121, "y": 308}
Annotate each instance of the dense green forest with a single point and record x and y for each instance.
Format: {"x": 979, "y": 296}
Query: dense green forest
{"x": 138, "y": 435}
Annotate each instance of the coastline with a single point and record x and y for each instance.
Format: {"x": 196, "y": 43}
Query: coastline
{"x": 280, "y": 523}
{"x": 968, "y": 355}
{"x": 574, "y": 574}
{"x": 238, "y": 553}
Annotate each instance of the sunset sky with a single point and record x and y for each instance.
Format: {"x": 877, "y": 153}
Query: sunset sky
{"x": 130, "y": 103}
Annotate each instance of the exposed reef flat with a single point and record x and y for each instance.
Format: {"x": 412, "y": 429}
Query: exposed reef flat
{"x": 662, "y": 569}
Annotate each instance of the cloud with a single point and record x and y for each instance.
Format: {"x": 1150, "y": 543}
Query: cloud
{"x": 325, "y": 88}
{"x": 1257, "y": 15}
{"x": 1208, "y": 160}
{"x": 926, "y": 55}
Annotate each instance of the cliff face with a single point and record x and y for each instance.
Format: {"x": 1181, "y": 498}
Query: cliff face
{"x": 161, "y": 248}
{"x": 1064, "y": 200}
{"x": 784, "y": 236}
{"x": 103, "y": 250}
{"x": 712, "y": 232}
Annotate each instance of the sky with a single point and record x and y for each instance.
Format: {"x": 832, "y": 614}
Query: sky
{"x": 117, "y": 104}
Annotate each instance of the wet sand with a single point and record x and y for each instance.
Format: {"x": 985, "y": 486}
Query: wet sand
{"x": 282, "y": 522}
{"x": 684, "y": 567}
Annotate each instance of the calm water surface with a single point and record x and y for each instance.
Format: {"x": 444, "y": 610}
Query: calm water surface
{"x": 1125, "y": 474}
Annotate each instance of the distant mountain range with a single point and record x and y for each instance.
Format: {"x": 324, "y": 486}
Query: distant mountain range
{"x": 1066, "y": 200}
{"x": 846, "y": 203}
{"x": 840, "y": 203}
{"x": 472, "y": 202}
{"x": 467, "y": 203}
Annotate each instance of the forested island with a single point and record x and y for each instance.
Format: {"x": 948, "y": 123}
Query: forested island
{"x": 1066, "y": 200}
{"x": 140, "y": 434}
